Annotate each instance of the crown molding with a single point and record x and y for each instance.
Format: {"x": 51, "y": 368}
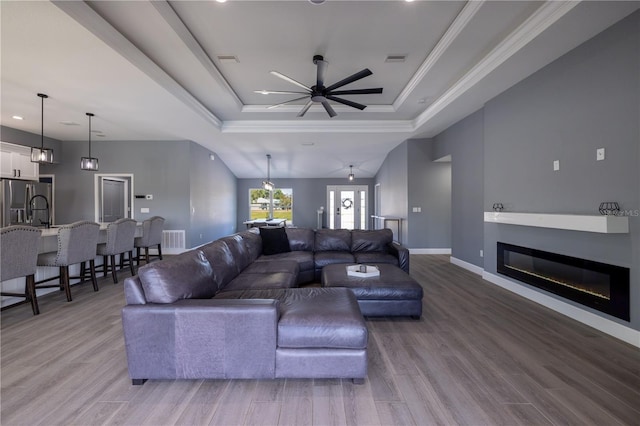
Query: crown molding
{"x": 454, "y": 30}
{"x": 178, "y": 26}
{"x": 82, "y": 13}
{"x": 546, "y": 15}
{"x": 325, "y": 126}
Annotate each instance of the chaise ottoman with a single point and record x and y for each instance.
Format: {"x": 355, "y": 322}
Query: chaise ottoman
{"x": 392, "y": 293}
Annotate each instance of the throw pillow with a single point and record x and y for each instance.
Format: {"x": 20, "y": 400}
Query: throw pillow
{"x": 274, "y": 241}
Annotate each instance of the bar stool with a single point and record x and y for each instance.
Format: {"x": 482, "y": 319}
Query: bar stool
{"x": 151, "y": 236}
{"x": 77, "y": 243}
{"x": 18, "y": 258}
{"x": 120, "y": 236}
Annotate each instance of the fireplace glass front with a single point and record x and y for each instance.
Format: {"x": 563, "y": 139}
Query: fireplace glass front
{"x": 597, "y": 285}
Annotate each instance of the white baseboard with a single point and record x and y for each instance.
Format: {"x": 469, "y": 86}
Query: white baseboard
{"x": 612, "y": 328}
{"x": 468, "y": 266}
{"x": 430, "y": 251}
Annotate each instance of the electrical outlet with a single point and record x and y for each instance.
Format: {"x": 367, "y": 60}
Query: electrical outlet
{"x": 599, "y": 154}
{"x": 481, "y": 253}
{"x": 144, "y": 210}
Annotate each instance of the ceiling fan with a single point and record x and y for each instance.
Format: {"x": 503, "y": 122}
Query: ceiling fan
{"x": 321, "y": 94}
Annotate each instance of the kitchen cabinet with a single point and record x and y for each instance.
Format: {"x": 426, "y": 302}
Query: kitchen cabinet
{"x": 15, "y": 162}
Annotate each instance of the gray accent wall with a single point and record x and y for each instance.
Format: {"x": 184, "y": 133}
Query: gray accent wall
{"x": 308, "y": 196}
{"x": 429, "y": 188}
{"x": 393, "y": 178}
{"x": 20, "y": 137}
{"x": 587, "y": 99}
{"x": 464, "y": 142}
{"x": 410, "y": 178}
{"x": 189, "y": 190}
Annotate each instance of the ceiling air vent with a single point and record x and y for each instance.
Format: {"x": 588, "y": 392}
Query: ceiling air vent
{"x": 228, "y": 59}
{"x": 396, "y": 58}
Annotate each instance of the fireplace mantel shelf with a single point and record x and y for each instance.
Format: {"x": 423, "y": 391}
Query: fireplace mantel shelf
{"x": 573, "y": 222}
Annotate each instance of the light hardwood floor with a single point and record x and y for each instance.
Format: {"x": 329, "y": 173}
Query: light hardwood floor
{"x": 479, "y": 356}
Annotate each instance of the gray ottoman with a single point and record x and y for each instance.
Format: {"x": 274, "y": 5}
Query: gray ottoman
{"x": 321, "y": 332}
{"x": 392, "y": 293}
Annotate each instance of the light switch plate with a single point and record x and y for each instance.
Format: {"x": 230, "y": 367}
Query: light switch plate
{"x": 556, "y": 165}
{"x": 599, "y": 154}
{"x": 144, "y": 210}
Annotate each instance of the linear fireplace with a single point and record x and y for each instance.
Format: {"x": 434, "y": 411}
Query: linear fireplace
{"x": 597, "y": 285}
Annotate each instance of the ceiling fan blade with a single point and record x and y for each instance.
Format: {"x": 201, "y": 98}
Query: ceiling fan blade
{"x": 357, "y": 91}
{"x": 322, "y": 67}
{"x": 286, "y": 102}
{"x": 290, "y": 80}
{"x": 329, "y": 109}
{"x": 305, "y": 108}
{"x": 355, "y": 77}
{"x": 346, "y": 102}
{"x": 278, "y": 92}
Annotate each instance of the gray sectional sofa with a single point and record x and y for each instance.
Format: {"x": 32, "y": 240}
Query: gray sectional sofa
{"x": 228, "y": 310}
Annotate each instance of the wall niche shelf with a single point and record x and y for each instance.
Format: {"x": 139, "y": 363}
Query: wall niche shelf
{"x": 573, "y": 222}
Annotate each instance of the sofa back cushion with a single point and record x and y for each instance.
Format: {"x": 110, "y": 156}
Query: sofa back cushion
{"x": 301, "y": 239}
{"x": 252, "y": 243}
{"x": 333, "y": 240}
{"x": 371, "y": 240}
{"x": 222, "y": 262}
{"x": 186, "y": 276}
{"x": 238, "y": 251}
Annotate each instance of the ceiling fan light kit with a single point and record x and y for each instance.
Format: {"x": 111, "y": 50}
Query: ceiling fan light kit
{"x": 318, "y": 93}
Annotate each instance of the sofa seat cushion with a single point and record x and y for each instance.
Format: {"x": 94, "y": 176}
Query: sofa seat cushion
{"x": 304, "y": 259}
{"x": 314, "y": 317}
{"x": 375, "y": 257}
{"x": 325, "y": 258}
{"x": 186, "y": 276}
{"x": 273, "y": 266}
{"x": 255, "y": 281}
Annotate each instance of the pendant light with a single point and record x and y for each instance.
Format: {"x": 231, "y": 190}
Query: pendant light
{"x": 89, "y": 163}
{"x": 267, "y": 184}
{"x": 351, "y": 175}
{"x": 42, "y": 155}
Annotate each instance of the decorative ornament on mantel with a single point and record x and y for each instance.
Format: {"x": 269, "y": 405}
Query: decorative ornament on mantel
{"x": 498, "y": 207}
{"x": 42, "y": 155}
{"x": 609, "y": 208}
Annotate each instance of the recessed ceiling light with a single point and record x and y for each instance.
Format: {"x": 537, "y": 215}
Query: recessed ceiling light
{"x": 101, "y": 135}
{"x": 69, "y": 123}
{"x": 221, "y": 1}
{"x": 422, "y": 101}
{"x": 317, "y": 1}
{"x": 17, "y": 117}
{"x": 308, "y": 143}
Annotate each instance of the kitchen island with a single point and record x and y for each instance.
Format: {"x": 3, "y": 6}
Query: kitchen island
{"x": 49, "y": 242}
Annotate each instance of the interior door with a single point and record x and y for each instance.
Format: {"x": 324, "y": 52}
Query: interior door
{"x": 348, "y": 206}
{"x": 113, "y": 200}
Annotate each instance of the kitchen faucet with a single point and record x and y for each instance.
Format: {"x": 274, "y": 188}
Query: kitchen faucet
{"x": 47, "y": 224}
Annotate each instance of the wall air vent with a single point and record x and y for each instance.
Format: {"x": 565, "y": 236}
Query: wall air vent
{"x": 396, "y": 58}
{"x": 228, "y": 59}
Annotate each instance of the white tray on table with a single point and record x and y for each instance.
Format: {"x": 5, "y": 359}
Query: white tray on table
{"x": 371, "y": 271}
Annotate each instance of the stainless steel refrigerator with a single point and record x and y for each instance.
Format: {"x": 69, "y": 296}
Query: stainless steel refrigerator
{"x": 24, "y": 202}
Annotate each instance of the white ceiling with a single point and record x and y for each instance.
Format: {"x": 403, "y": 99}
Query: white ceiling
{"x": 150, "y": 71}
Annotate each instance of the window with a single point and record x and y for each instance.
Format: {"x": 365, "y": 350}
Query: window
{"x": 260, "y": 204}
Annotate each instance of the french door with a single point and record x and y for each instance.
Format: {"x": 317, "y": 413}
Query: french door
{"x": 347, "y": 206}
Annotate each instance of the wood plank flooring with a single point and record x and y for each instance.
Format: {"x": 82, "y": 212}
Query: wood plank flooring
{"x": 479, "y": 356}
